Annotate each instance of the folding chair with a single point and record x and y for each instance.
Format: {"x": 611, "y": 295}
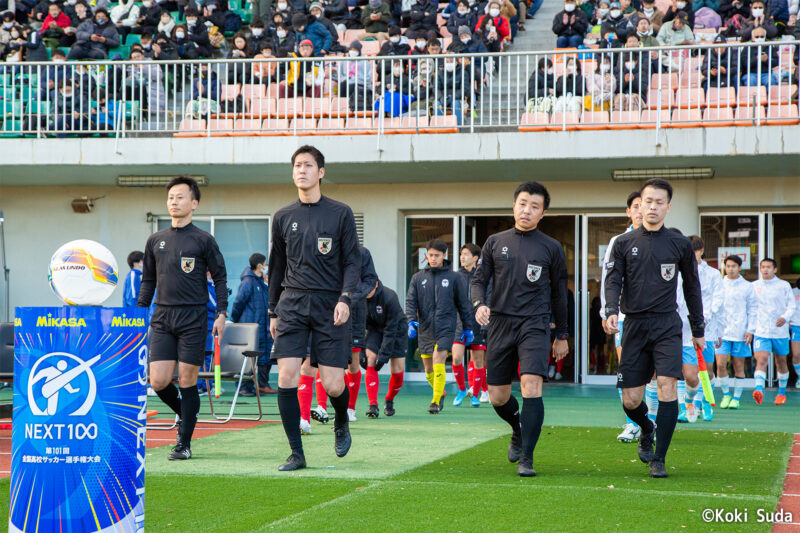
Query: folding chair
{"x": 238, "y": 357}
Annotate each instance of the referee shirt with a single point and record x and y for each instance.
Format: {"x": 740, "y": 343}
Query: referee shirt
{"x": 529, "y": 272}
{"x": 643, "y": 272}
{"x": 176, "y": 260}
{"x": 314, "y": 248}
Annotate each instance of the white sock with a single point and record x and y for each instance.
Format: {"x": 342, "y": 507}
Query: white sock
{"x": 691, "y": 391}
{"x": 725, "y": 384}
{"x": 761, "y": 379}
{"x": 651, "y": 399}
{"x": 681, "y": 392}
{"x": 797, "y": 369}
{"x": 783, "y": 380}
{"x": 738, "y": 387}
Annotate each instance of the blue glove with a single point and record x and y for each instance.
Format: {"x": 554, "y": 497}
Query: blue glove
{"x": 467, "y": 337}
{"x": 412, "y": 329}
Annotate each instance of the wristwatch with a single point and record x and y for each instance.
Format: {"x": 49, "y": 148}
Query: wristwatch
{"x": 272, "y": 314}
{"x": 224, "y": 313}
{"x": 563, "y": 336}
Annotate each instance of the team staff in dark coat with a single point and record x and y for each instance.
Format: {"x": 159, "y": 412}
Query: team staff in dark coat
{"x": 314, "y": 270}
{"x": 386, "y": 342}
{"x": 435, "y": 300}
{"x": 250, "y": 306}
{"x": 643, "y": 271}
{"x": 529, "y": 274}
{"x": 176, "y": 260}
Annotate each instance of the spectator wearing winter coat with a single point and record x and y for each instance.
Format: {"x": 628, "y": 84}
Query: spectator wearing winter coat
{"x": 312, "y": 31}
{"x": 462, "y": 16}
{"x": 680, "y": 6}
{"x": 676, "y": 32}
{"x": 54, "y": 26}
{"x": 759, "y": 18}
{"x": 570, "y": 25}
{"x": 95, "y": 38}
{"x": 420, "y": 16}
{"x": 499, "y": 22}
{"x": 375, "y": 17}
{"x": 124, "y": 16}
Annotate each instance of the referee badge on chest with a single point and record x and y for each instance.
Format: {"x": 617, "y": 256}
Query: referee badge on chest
{"x": 445, "y": 283}
{"x": 668, "y": 271}
{"x": 324, "y": 245}
{"x": 187, "y": 264}
{"x": 534, "y": 271}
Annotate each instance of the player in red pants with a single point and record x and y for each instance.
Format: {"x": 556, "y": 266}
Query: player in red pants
{"x": 385, "y": 341}
{"x": 305, "y": 393}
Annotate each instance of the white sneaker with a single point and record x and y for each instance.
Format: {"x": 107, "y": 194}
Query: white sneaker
{"x": 351, "y": 415}
{"x": 151, "y": 392}
{"x": 691, "y": 413}
{"x": 551, "y": 372}
{"x": 320, "y": 414}
{"x": 305, "y": 427}
{"x": 629, "y": 433}
{"x": 559, "y": 377}
{"x": 484, "y": 396}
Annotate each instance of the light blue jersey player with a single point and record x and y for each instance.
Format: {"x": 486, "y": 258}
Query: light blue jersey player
{"x": 630, "y": 431}
{"x": 794, "y": 331}
{"x": 775, "y": 309}
{"x": 689, "y": 386}
{"x": 739, "y": 309}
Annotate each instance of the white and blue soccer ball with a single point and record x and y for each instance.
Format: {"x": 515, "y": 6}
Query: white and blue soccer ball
{"x": 83, "y": 272}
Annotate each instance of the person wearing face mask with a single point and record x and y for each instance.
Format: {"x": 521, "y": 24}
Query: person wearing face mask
{"x": 284, "y": 38}
{"x": 455, "y": 84}
{"x": 304, "y": 78}
{"x": 421, "y": 16}
{"x": 471, "y": 46}
{"x": 570, "y": 25}
{"x": 199, "y": 44}
{"x": 164, "y": 49}
{"x": 318, "y": 12}
{"x": 759, "y": 18}
{"x": 721, "y": 68}
{"x": 655, "y": 16}
{"x": 599, "y": 12}
{"x": 240, "y": 49}
{"x": 27, "y": 44}
{"x": 283, "y": 8}
{"x": 487, "y": 34}
{"x": 338, "y": 13}
{"x": 500, "y": 23}
{"x": 462, "y": 16}
{"x": 212, "y": 13}
{"x": 375, "y": 17}
{"x": 148, "y": 19}
{"x": 608, "y": 28}
{"x": 541, "y": 88}
{"x": 354, "y": 79}
{"x": 733, "y": 10}
{"x": 758, "y": 63}
{"x": 397, "y": 45}
{"x": 600, "y": 86}
{"x": 676, "y": 31}
{"x": 124, "y": 16}
{"x": 679, "y": 6}
{"x": 313, "y": 31}
{"x": 570, "y": 88}
{"x": 5, "y": 30}
{"x": 95, "y": 38}
{"x": 257, "y": 34}
{"x": 632, "y": 77}
{"x": 165, "y": 24}
{"x": 71, "y": 110}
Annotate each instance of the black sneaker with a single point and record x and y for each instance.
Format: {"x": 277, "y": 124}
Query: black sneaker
{"x": 441, "y": 401}
{"x": 515, "y": 447}
{"x": 180, "y": 453}
{"x": 646, "y": 441}
{"x": 388, "y": 409}
{"x": 372, "y": 412}
{"x": 296, "y": 461}
{"x": 657, "y": 469}
{"x": 525, "y": 468}
{"x": 343, "y": 439}
{"x": 434, "y": 408}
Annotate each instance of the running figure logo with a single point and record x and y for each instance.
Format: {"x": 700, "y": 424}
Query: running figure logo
{"x": 59, "y": 377}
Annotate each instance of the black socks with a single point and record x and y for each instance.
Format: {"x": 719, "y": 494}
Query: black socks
{"x": 289, "y": 407}
{"x": 532, "y": 418}
{"x": 169, "y": 395}
{"x": 340, "y": 404}
{"x": 639, "y": 416}
{"x": 190, "y": 406}
{"x": 666, "y": 419}
{"x": 509, "y": 412}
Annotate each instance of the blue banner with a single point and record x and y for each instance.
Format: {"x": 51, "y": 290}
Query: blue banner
{"x": 80, "y": 410}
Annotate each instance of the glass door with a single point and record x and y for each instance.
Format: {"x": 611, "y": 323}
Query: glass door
{"x": 598, "y": 355}
{"x": 734, "y": 233}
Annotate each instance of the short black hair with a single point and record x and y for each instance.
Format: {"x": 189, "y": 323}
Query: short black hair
{"x": 735, "y": 258}
{"x": 437, "y": 244}
{"x": 534, "y": 187}
{"x": 474, "y": 249}
{"x": 186, "y": 180}
{"x": 633, "y": 196}
{"x": 697, "y": 243}
{"x": 308, "y": 149}
{"x": 771, "y": 260}
{"x": 658, "y": 183}
{"x": 134, "y": 257}
{"x": 256, "y": 259}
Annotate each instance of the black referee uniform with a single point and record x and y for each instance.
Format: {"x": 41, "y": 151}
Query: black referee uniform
{"x": 175, "y": 262}
{"x": 386, "y": 326}
{"x": 642, "y": 281}
{"x": 359, "y": 301}
{"x": 314, "y": 263}
{"x": 479, "y": 342}
{"x": 529, "y": 274}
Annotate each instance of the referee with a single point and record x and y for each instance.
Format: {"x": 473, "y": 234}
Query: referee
{"x": 529, "y": 275}
{"x": 314, "y": 268}
{"x": 175, "y": 261}
{"x": 643, "y": 272}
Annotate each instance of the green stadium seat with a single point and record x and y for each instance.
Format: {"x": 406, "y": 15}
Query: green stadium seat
{"x": 12, "y": 108}
{"x": 11, "y": 128}
{"x": 133, "y": 38}
{"x": 123, "y": 50}
{"x": 37, "y": 107}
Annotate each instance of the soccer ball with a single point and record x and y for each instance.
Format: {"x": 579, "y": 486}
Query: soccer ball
{"x": 83, "y": 272}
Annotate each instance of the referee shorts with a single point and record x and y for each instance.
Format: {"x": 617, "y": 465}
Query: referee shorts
{"x": 358, "y": 317}
{"x": 178, "y": 333}
{"x": 305, "y": 326}
{"x": 516, "y": 342}
{"x": 650, "y": 343}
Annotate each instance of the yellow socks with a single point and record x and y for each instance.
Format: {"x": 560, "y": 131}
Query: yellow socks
{"x": 438, "y": 382}
{"x": 429, "y": 375}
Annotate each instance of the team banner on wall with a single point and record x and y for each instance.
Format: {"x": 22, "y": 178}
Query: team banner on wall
{"x": 78, "y": 434}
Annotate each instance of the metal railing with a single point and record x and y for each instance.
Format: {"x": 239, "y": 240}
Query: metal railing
{"x": 701, "y": 85}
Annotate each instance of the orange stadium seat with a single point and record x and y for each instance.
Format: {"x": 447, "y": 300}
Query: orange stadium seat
{"x": 289, "y": 107}
{"x": 272, "y": 127}
{"x": 370, "y": 48}
{"x": 359, "y": 126}
{"x": 303, "y": 126}
{"x": 220, "y": 127}
{"x": 330, "y": 126}
{"x": 649, "y": 118}
{"x": 191, "y": 128}
{"x": 594, "y": 120}
{"x": 316, "y": 107}
{"x": 256, "y": 90}
{"x": 717, "y": 117}
{"x": 782, "y": 115}
{"x": 410, "y": 124}
{"x": 230, "y": 92}
{"x": 690, "y": 97}
{"x": 339, "y": 107}
{"x": 442, "y": 124}
{"x": 246, "y": 127}
{"x": 564, "y": 121}
{"x": 781, "y": 94}
{"x": 748, "y": 95}
{"x": 667, "y": 98}
{"x": 261, "y": 107}
{"x": 534, "y": 122}
{"x": 686, "y": 118}
{"x": 721, "y": 97}
{"x": 624, "y": 120}
{"x": 665, "y": 80}
{"x": 746, "y": 115}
